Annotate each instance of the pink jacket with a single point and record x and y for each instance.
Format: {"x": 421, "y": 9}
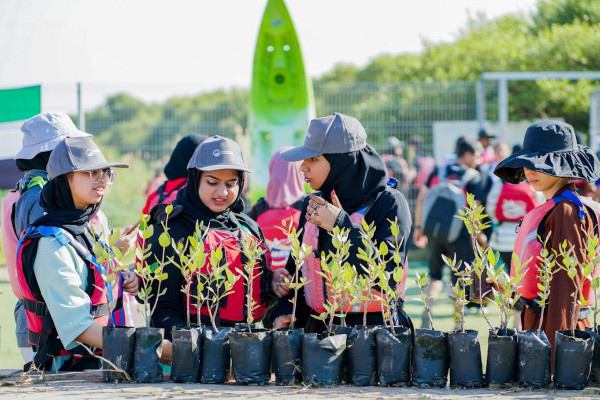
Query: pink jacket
{"x": 10, "y": 241}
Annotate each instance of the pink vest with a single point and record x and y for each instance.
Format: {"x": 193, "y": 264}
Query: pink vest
{"x": 314, "y": 290}
{"x": 10, "y": 241}
{"x": 528, "y": 247}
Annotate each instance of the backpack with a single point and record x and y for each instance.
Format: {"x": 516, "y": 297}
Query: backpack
{"x": 515, "y": 201}
{"x": 441, "y": 206}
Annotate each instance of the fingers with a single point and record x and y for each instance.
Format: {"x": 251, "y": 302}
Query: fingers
{"x": 282, "y": 321}
{"x": 335, "y": 200}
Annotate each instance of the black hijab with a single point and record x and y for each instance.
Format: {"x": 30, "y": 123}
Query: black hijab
{"x": 195, "y": 210}
{"x": 357, "y": 178}
{"x": 177, "y": 165}
{"x": 40, "y": 161}
{"x": 57, "y": 202}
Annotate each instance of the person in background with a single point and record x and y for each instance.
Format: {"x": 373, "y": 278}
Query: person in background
{"x": 65, "y": 296}
{"x": 352, "y": 183}
{"x": 550, "y": 158}
{"x": 486, "y": 139}
{"x": 463, "y": 173}
{"x": 175, "y": 171}
{"x": 397, "y": 166}
{"x": 285, "y": 195}
{"x": 21, "y": 207}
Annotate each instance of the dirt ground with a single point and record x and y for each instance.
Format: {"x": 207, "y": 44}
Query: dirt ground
{"x": 88, "y": 385}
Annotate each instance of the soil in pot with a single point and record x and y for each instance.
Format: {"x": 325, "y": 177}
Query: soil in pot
{"x": 251, "y": 356}
{"x": 322, "y": 358}
{"x": 573, "y": 359}
{"x": 595, "y": 370}
{"x": 430, "y": 358}
{"x": 187, "y": 343}
{"x": 465, "y": 359}
{"x": 502, "y": 357}
{"x": 214, "y": 365}
{"x": 394, "y": 356}
{"x": 287, "y": 356}
{"x": 118, "y": 345}
{"x": 146, "y": 358}
{"x": 535, "y": 356}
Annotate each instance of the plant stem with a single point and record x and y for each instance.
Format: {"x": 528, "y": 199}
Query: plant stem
{"x": 481, "y": 305}
{"x": 295, "y": 299}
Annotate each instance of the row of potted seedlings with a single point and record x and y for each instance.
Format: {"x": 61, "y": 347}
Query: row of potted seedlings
{"x": 362, "y": 355}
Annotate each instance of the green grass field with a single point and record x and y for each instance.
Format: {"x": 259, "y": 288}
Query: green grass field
{"x": 442, "y": 314}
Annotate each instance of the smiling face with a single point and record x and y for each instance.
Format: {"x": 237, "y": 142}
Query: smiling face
{"x": 315, "y": 170}
{"x": 219, "y": 189}
{"x": 83, "y": 189}
{"x": 544, "y": 183}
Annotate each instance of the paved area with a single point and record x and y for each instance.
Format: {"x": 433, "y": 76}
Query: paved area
{"x": 88, "y": 385}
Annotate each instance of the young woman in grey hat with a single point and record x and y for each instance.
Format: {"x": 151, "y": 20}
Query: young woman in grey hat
{"x": 352, "y": 182}
{"x": 216, "y": 174}
{"x": 549, "y": 160}
{"x": 62, "y": 289}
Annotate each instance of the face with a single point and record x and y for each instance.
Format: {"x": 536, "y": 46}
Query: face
{"x": 315, "y": 170}
{"x": 219, "y": 189}
{"x": 85, "y": 190}
{"x": 544, "y": 183}
{"x": 471, "y": 160}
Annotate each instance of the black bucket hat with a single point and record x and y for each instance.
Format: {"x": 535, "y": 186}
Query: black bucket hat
{"x": 551, "y": 147}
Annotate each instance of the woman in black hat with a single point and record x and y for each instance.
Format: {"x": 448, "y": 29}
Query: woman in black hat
{"x": 65, "y": 296}
{"x": 549, "y": 160}
{"x": 216, "y": 174}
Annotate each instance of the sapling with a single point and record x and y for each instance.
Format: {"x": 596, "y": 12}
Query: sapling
{"x": 149, "y": 273}
{"x": 218, "y": 284}
{"x": 190, "y": 257}
{"x": 372, "y": 255}
{"x": 546, "y": 270}
{"x": 506, "y": 295}
{"x": 252, "y": 250}
{"x": 463, "y": 281}
{"x": 421, "y": 281}
{"x": 298, "y": 252}
{"x": 333, "y": 270}
{"x": 109, "y": 265}
{"x": 591, "y": 257}
{"x": 473, "y": 217}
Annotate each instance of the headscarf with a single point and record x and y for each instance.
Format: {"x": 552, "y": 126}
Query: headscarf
{"x": 285, "y": 185}
{"x": 177, "y": 165}
{"x": 56, "y": 199}
{"x": 357, "y": 178}
{"x": 195, "y": 209}
{"x": 40, "y": 161}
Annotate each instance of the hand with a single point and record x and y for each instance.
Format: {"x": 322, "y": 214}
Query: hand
{"x": 128, "y": 238}
{"x": 283, "y": 321}
{"x": 322, "y": 213}
{"x": 167, "y": 352}
{"x": 130, "y": 282}
{"x": 419, "y": 239}
{"x": 482, "y": 240}
{"x": 278, "y": 283}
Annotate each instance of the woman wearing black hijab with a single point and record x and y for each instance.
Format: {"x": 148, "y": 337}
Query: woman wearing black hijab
{"x": 351, "y": 179}
{"x": 63, "y": 290}
{"x": 216, "y": 174}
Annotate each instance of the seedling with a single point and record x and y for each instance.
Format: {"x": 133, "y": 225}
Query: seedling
{"x": 333, "y": 270}
{"x": 253, "y": 251}
{"x": 218, "y": 284}
{"x": 591, "y": 258}
{"x": 190, "y": 258}
{"x": 299, "y": 252}
{"x": 473, "y": 216}
{"x": 546, "y": 271}
{"x": 108, "y": 258}
{"x": 150, "y": 273}
{"x": 507, "y": 294}
{"x": 422, "y": 282}
{"x": 460, "y": 288}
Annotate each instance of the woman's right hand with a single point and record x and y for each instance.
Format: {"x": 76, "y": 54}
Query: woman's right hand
{"x": 283, "y": 321}
{"x": 280, "y": 288}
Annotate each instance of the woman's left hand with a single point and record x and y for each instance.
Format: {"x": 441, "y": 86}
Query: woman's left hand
{"x": 322, "y": 213}
{"x": 130, "y": 282}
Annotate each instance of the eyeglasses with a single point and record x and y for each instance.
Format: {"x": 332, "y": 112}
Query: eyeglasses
{"x": 108, "y": 175}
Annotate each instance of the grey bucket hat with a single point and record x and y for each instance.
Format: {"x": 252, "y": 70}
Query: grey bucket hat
{"x": 217, "y": 153}
{"x": 77, "y": 154}
{"x": 334, "y": 134}
{"x": 44, "y": 131}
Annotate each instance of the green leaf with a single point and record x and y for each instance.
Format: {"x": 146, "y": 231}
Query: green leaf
{"x": 164, "y": 239}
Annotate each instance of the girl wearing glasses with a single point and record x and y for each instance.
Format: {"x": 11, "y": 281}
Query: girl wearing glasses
{"x": 64, "y": 295}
